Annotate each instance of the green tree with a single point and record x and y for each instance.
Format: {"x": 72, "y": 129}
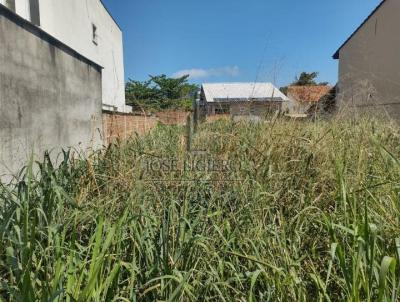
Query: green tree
{"x": 140, "y": 90}
{"x": 138, "y": 94}
{"x": 169, "y": 88}
{"x": 306, "y": 79}
{"x": 161, "y": 92}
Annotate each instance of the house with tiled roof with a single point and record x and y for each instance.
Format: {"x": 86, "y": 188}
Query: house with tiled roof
{"x": 303, "y": 97}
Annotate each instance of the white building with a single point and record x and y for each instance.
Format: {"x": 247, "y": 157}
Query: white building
{"x": 239, "y": 99}
{"x": 87, "y": 27}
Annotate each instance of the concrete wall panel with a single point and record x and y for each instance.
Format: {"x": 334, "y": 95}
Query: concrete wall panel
{"x": 50, "y": 96}
{"x": 71, "y": 22}
{"x": 369, "y": 67}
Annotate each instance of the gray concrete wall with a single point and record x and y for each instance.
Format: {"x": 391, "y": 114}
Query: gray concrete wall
{"x": 255, "y": 108}
{"x": 246, "y": 108}
{"x": 71, "y": 22}
{"x": 369, "y": 67}
{"x": 296, "y": 107}
{"x": 50, "y": 96}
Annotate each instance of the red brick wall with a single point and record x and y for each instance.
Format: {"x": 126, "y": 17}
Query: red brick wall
{"x": 123, "y": 126}
{"x": 172, "y": 117}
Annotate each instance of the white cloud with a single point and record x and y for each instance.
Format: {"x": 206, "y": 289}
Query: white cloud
{"x": 230, "y": 71}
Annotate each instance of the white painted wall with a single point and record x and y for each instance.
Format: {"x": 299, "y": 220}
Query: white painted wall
{"x": 71, "y": 22}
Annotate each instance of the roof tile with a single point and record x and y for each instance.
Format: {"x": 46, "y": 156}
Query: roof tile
{"x": 311, "y": 94}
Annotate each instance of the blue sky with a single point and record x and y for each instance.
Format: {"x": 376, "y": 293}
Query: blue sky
{"x": 232, "y": 40}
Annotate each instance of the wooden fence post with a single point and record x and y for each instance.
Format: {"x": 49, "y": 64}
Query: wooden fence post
{"x": 188, "y": 134}
{"x": 195, "y": 115}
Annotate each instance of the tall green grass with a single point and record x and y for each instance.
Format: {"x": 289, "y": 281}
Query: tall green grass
{"x": 314, "y": 217}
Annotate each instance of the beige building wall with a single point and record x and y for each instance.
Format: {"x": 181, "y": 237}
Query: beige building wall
{"x": 369, "y": 66}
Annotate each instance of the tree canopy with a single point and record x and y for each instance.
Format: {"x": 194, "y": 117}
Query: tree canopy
{"x": 160, "y": 93}
{"x": 305, "y": 79}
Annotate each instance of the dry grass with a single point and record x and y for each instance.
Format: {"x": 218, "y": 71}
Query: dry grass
{"x": 315, "y": 217}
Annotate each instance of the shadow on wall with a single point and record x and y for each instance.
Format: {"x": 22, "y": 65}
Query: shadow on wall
{"x": 326, "y": 106}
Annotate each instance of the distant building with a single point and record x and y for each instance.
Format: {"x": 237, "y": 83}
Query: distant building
{"x": 240, "y": 99}
{"x": 369, "y": 64}
{"x": 88, "y": 28}
{"x": 302, "y": 98}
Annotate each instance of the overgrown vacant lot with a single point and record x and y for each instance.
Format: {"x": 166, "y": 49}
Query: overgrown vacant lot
{"x": 314, "y": 214}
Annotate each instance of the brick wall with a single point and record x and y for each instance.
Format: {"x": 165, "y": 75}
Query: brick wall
{"x": 122, "y": 126}
{"x": 172, "y": 117}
